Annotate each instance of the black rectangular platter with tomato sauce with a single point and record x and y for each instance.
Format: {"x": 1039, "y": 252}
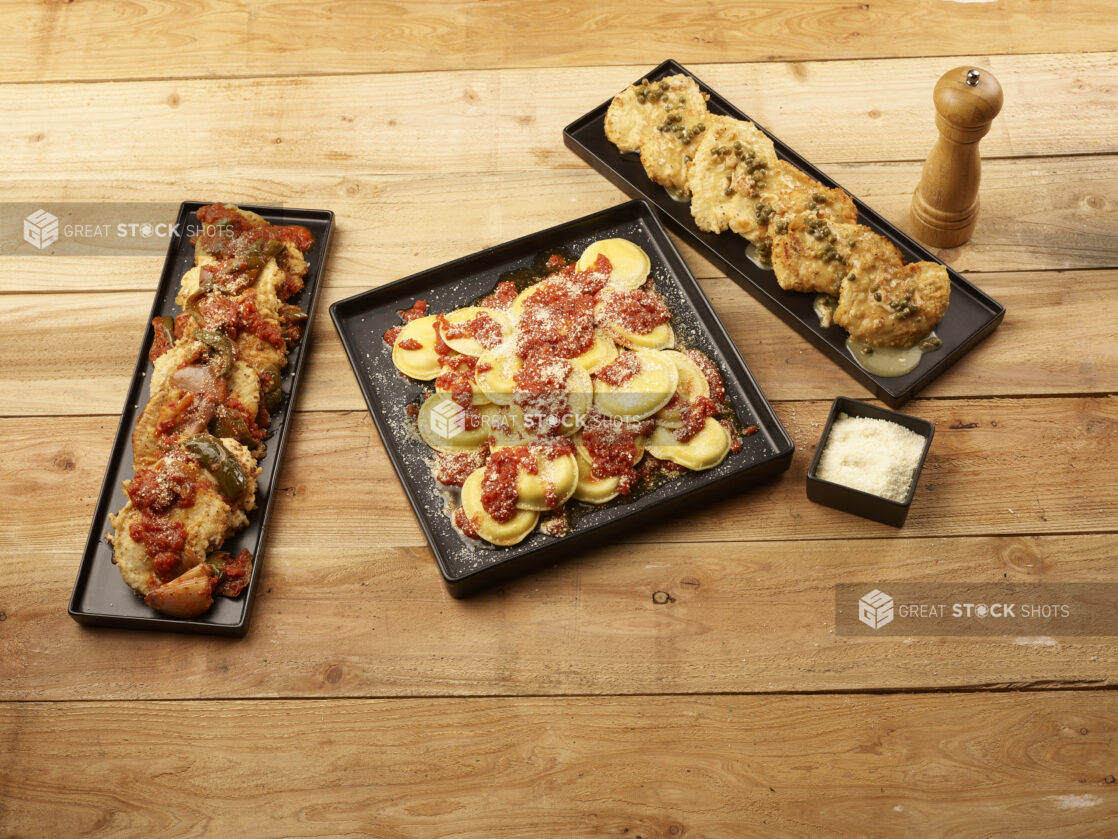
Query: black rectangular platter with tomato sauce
{"x": 468, "y": 566}
{"x": 971, "y": 315}
{"x": 100, "y": 596}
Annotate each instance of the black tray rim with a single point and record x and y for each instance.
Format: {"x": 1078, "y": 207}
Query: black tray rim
{"x": 156, "y": 621}
{"x": 880, "y": 386}
{"x": 468, "y": 583}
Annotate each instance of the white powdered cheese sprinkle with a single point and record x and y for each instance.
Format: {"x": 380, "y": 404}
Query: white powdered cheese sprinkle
{"x": 873, "y": 455}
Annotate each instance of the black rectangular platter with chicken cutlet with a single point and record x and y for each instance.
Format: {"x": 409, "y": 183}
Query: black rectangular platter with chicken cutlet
{"x": 185, "y": 503}
{"x": 388, "y": 334}
{"x": 651, "y": 173}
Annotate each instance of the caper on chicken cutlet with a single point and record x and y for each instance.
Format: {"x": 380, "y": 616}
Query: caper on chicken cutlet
{"x": 812, "y": 254}
{"x": 809, "y": 231}
{"x": 727, "y": 176}
{"x": 215, "y": 380}
{"x": 663, "y": 120}
{"x": 893, "y": 307}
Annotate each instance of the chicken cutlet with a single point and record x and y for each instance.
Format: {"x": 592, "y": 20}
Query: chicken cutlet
{"x": 808, "y": 231}
{"x": 737, "y": 183}
{"x": 214, "y": 382}
{"x": 787, "y": 192}
{"x": 190, "y": 386}
{"x": 887, "y": 304}
{"x": 667, "y": 152}
{"x": 664, "y": 120}
{"x": 185, "y": 507}
{"x": 728, "y": 173}
{"x": 646, "y": 104}
{"x": 812, "y": 254}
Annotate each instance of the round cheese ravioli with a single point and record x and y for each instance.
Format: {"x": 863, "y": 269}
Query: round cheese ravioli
{"x": 517, "y": 306}
{"x": 593, "y": 490}
{"x": 508, "y": 427}
{"x": 580, "y": 399}
{"x": 478, "y": 396}
{"x": 629, "y": 264}
{"x": 413, "y": 351}
{"x": 598, "y": 354}
{"x": 488, "y": 528}
{"x": 495, "y": 371}
{"x": 629, "y": 318}
{"x": 553, "y": 484}
{"x": 554, "y": 396}
{"x": 692, "y": 385}
{"x": 705, "y": 450}
{"x": 646, "y": 383}
{"x": 473, "y": 330}
{"x": 533, "y": 417}
{"x": 583, "y": 451}
{"x": 446, "y": 427}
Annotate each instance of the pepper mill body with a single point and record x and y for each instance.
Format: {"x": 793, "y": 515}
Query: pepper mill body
{"x": 945, "y": 203}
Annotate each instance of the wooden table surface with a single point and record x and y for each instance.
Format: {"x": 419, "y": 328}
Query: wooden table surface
{"x": 685, "y": 681}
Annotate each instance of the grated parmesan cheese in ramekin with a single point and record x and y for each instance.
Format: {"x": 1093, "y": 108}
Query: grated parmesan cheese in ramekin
{"x": 872, "y": 455}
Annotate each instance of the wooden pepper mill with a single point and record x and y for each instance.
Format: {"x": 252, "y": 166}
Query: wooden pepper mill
{"x": 945, "y": 204}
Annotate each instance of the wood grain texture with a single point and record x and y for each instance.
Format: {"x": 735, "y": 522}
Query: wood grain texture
{"x": 996, "y": 467}
{"x": 1058, "y": 213}
{"x": 355, "y": 616}
{"x": 684, "y": 681}
{"x": 481, "y": 121}
{"x": 349, "y": 582}
{"x": 650, "y": 767}
{"x": 1056, "y": 339}
{"x": 119, "y": 40}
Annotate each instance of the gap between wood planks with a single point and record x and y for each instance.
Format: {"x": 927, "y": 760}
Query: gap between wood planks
{"x": 379, "y": 114}
{"x": 1027, "y": 687}
{"x": 633, "y": 537}
{"x": 341, "y": 74}
{"x": 502, "y": 769}
{"x": 351, "y": 289}
{"x": 1105, "y": 394}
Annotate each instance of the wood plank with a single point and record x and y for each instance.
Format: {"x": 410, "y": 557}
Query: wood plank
{"x": 359, "y": 618}
{"x": 116, "y": 40}
{"x": 349, "y": 583}
{"x": 997, "y": 466}
{"x": 1050, "y": 213}
{"x": 1056, "y": 339}
{"x": 873, "y": 766}
{"x": 498, "y": 121}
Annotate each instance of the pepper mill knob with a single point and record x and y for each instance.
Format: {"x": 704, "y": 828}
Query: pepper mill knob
{"x": 945, "y": 204}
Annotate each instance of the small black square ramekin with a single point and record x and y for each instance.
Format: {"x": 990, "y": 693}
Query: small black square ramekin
{"x": 855, "y": 501}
